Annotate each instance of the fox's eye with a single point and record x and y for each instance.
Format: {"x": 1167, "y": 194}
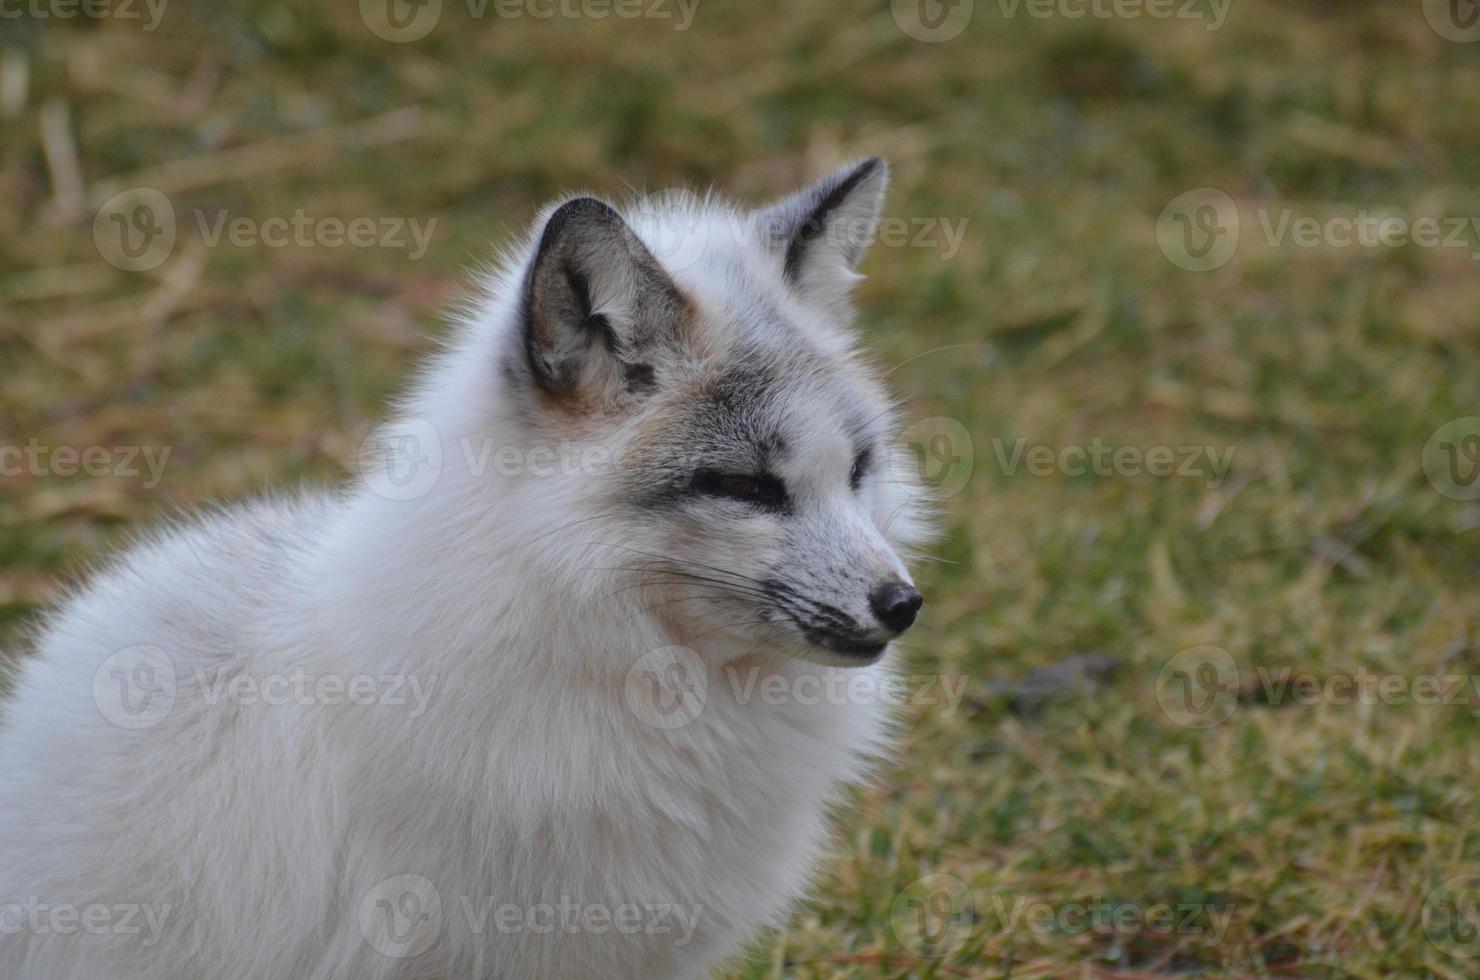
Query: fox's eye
{"x": 761, "y": 489}
{"x": 861, "y": 465}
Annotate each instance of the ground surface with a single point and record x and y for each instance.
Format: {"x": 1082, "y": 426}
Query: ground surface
{"x": 1253, "y": 746}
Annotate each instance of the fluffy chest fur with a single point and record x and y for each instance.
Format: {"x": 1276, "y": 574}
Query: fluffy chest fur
{"x": 518, "y": 820}
{"x": 693, "y": 788}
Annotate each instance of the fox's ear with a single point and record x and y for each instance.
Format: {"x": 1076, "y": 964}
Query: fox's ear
{"x": 821, "y": 233}
{"x": 598, "y": 307}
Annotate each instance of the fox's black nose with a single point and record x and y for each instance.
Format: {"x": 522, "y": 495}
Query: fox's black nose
{"x": 896, "y": 603}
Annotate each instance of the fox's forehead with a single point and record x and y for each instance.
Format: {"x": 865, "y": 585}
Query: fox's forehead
{"x": 778, "y": 377}
{"x": 767, "y": 405}
{"x": 768, "y": 383}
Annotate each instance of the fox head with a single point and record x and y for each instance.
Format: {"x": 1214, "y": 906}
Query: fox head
{"x": 737, "y": 482}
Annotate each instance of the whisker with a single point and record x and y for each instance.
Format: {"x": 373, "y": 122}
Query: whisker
{"x": 724, "y": 591}
{"x": 736, "y": 625}
{"x": 933, "y": 350}
{"x": 683, "y": 561}
{"x": 566, "y": 527}
{"x": 645, "y": 610}
{"x": 690, "y": 576}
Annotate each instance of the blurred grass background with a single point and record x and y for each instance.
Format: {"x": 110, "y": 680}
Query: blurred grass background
{"x": 1317, "y": 831}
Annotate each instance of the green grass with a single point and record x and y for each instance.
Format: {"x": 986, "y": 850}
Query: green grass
{"x": 1314, "y": 829}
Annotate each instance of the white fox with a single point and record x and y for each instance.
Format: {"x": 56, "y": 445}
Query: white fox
{"x": 476, "y": 716}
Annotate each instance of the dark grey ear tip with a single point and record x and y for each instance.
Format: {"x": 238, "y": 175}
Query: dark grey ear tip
{"x": 585, "y": 252}
{"x": 863, "y": 182}
{"x": 871, "y": 171}
{"x": 577, "y": 210}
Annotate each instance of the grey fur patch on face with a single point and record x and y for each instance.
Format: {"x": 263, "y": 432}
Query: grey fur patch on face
{"x": 639, "y": 377}
{"x": 751, "y": 414}
{"x": 756, "y": 474}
